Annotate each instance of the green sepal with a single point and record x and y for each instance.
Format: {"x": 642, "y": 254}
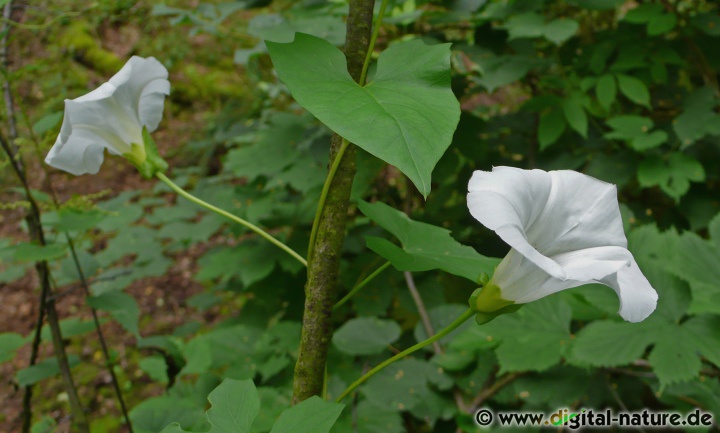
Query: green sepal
{"x": 488, "y": 302}
{"x": 488, "y": 298}
{"x": 473, "y": 298}
{"x": 483, "y": 318}
{"x": 483, "y": 279}
{"x": 153, "y": 162}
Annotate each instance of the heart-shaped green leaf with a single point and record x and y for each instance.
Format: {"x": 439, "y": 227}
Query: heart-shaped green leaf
{"x": 406, "y": 116}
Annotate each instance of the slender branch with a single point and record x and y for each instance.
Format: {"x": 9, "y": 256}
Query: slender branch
{"x": 101, "y": 337}
{"x": 7, "y": 92}
{"x": 451, "y": 327}
{"x": 422, "y": 311}
{"x": 360, "y": 285}
{"x": 26, "y": 413}
{"x": 230, "y": 216}
{"x": 79, "y": 418}
{"x": 620, "y": 402}
{"x": 492, "y": 390}
{"x": 430, "y": 331}
{"x": 326, "y": 247}
{"x": 36, "y": 233}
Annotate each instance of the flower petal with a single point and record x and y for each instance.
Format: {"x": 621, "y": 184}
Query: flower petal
{"x": 508, "y": 195}
{"x": 637, "y": 297}
{"x": 76, "y": 156}
{"x": 522, "y": 281}
{"x": 542, "y": 214}
{"x": 508, "y": 200}
{"x": 581, "y": 212}
{"x": 142, "y": 86}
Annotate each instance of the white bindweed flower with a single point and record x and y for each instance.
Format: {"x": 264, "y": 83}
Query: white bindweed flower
{"x": 565, "y": 230}
{"x": 112, "y": 117}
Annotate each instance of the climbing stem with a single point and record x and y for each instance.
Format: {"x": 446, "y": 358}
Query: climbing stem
{"x": 360, "y": 285}
{"x": 230, "y": 216}
{"x": 459, "y": 321}
{"x": 323, "y": 196}
{"x": 373, "y": 38}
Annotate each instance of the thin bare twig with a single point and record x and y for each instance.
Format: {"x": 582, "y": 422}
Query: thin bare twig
{"x": 488, "y": 392}
{"x": 422, "y": 311}
{"x": 59, "y": 293}
{"x": 619, "y": 401}
{"x": 425, "y": 319}
{"x": 101, "y": 337}
{"x": 48, "y": 305}
{"x": 7, "y": 92}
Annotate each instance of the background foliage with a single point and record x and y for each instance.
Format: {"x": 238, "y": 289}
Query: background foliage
{"x": 624, "y": 91}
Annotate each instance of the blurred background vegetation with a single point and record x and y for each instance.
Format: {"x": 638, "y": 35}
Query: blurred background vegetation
{"x": 626, "y": 91}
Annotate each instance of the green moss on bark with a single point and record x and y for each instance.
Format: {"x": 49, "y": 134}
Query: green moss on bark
{"x": 323, "y": 268}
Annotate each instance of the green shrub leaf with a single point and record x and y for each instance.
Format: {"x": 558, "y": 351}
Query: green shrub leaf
{"x": 121, "y": 306}
{"x": 610, "y": 343}
{"x": 313, "y": 415}
{"x": 235, "y": 404}
{"x": 424, "y": 246}
{"x": 366, "y": 336}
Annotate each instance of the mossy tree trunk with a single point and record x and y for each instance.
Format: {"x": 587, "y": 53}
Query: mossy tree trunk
{"x": 324, "y": 265}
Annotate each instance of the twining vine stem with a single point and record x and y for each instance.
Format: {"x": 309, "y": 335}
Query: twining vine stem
{"x": 451, "y": 327}
{"x": 323, "y": 197}
{"x": 230, "y": 216}
{"x": 373, "y": 38}
{"x": 360, "y": 285}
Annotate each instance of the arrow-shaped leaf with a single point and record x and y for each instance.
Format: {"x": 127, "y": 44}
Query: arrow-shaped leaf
{"x": 406, "y": 116}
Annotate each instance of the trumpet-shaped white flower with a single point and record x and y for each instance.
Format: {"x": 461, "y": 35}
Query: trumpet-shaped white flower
{"x": 565, "y": 230}
{"x": 112, "y": 117}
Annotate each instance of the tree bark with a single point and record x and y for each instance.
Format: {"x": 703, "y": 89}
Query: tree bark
{"x": 324, "y": 266}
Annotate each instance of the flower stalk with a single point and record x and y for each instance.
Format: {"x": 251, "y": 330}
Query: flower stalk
{"x": 173, "y": 186}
